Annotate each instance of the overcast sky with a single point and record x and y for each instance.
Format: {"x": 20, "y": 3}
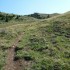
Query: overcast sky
{"x": 24, "y": 7}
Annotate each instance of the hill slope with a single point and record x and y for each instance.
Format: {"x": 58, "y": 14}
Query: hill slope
{"x": 42, "y": 16}
{"x": 5, "y": 17}
{"x": 45, "y": 44}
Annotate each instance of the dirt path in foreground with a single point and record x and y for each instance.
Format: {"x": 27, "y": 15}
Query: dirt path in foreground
{"x": 10, "y": 63}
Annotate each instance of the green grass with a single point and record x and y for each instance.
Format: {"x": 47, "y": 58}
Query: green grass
{"x": 46, "y": 43}
{"x": 2, "y": 58}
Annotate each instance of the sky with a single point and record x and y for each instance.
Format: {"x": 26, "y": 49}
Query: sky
{"x": 24, "y": 7}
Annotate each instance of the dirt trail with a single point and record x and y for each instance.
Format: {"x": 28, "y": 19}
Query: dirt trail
{"x": 10, "y": 63}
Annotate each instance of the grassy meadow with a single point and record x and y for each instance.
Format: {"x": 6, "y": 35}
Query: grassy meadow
{"x": 45, "y": 43}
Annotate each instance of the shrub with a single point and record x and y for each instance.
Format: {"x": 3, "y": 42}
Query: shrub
{"x": 48, "y": 16}
{"x": 43, "y": 64}
{"x": 17, "y": 17}
{"x": 51, "y": 52}
{"x": 66, "y": 54}
{"x": 27, "y": 57}
{"x": 35, "y": 15}
{"x": 6, "y": 19}
{"x": 3, "y": 32}
{"x": 37, "y": 44}
{"x": 57, "y": 66}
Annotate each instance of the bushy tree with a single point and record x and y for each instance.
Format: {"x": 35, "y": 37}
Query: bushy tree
{"x": 6, "y": 19}
{"x": 48, "y": 16}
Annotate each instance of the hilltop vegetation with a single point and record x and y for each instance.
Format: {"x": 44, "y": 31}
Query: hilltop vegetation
{"x": 45, "y": 44}
{"x": 9, "y": 17}
{"x": 4, "y": 17}
{"x": 42, "y": 16}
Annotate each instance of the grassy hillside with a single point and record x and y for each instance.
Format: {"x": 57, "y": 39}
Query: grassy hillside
{"x": 45, "y": 44}
{"x": 5, "y": 17}
{"x": 42, "y": 16}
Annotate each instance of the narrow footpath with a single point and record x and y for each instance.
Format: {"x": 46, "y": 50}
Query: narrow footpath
{"x": 10, "y": 63}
